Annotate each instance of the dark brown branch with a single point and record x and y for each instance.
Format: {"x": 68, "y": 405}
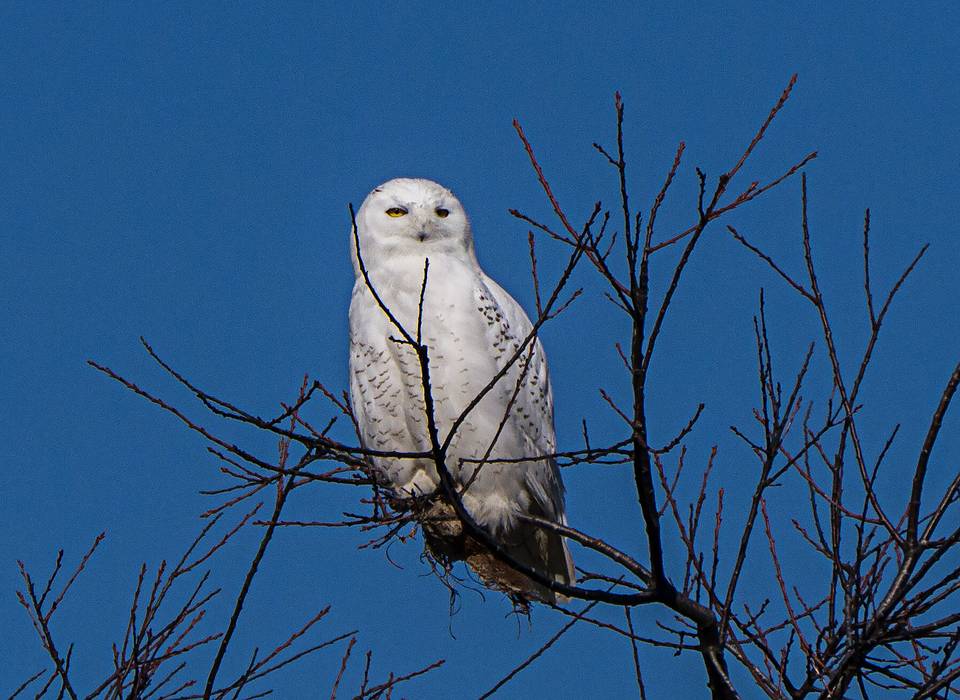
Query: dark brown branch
{"x": 920, "y": 473}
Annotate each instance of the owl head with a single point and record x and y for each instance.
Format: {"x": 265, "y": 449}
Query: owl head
{"x": 408, "y": 217}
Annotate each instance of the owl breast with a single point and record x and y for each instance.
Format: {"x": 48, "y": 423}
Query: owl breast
{"x": 468, "y": 338}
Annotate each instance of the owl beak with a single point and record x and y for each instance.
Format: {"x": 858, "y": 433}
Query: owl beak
{"x": 422, "y": 235}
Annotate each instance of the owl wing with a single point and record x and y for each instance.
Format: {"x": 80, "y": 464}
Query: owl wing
{"x": 532, "y": 414}
{"x": 533, "y": 405}
{"x": 384, "y": 396}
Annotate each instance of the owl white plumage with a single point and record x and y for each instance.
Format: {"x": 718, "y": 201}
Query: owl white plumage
{"x": 472, "y": 328}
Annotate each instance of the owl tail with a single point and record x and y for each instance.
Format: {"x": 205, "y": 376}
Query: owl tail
{"x": 546, "y": 552}
{"x": 542, "y": 550}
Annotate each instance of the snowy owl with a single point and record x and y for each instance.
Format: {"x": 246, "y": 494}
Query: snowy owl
{"x": 472, "y": 328}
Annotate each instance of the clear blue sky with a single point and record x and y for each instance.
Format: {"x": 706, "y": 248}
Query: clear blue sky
{"x": 181, "y": 171}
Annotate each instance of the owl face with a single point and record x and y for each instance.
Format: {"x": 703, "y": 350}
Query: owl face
{"x": 412, "y": 217}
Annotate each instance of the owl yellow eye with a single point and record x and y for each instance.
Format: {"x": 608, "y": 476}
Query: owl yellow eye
{"x": 441, "y": 212}
{"x": 396, "y": 212}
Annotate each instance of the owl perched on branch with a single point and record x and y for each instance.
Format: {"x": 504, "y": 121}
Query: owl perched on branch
{"x": 417, "y": 254}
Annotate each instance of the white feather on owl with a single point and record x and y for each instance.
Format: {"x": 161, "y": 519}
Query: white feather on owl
{"x": 472, "y": 328}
